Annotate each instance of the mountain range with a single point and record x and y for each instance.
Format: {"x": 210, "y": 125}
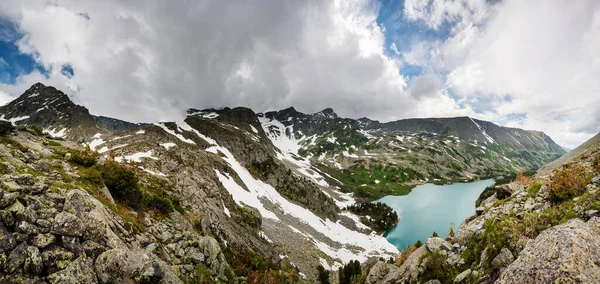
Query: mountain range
{"x": 273, "y": 185}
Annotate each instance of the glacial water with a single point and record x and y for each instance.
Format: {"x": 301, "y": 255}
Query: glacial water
{"x": 430, "y": 208}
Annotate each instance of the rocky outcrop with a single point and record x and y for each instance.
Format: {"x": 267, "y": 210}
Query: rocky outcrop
{"x": 567, "y": 253}
{"x": 410, "y": 270}
{"x": 53, "y": 231}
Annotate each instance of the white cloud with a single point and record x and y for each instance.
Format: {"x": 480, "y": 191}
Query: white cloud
{"x": 543, "y": 56}
{"x": 150, "y": 60}
{"x": 3, "y": 63}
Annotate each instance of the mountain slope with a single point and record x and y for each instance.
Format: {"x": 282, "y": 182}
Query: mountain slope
{"x": 588, "y": 146}
{"x": 230, "y": 182}
{"x": 374, "y": 159}
{"x": 51, "y": 110}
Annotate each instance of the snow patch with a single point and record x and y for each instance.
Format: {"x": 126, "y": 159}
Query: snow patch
{"x": 137, "y": 157}
{"x": 179, "y": 136}
{"x": 168, "y": 145}
{"x": 56, "y": 134}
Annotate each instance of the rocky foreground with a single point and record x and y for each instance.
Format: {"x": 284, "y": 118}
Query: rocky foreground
{"x": 544, "y": 229}
{"x": 53, "y": 230}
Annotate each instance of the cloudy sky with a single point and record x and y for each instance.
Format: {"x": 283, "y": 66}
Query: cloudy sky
{"x": 521, "y": 63}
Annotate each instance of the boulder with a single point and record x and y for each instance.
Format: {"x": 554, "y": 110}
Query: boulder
{"x": 34, "y": 263}
{"x": 565, "y": 253}
{"x": 78, "y": 271}
{"x": 120, "y": 265}
{"x": 43, "y": 240}
{"x": 436, "y": 244}
{"x": 463, "y": 276}
{"x": 16, "y": 258}
{"x": 68, "y": 224}
{"x": 379, "y": 271}
{"x": 506, "y": 190}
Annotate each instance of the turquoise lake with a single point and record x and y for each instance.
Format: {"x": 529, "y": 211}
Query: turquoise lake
{"x": 430, "y": 208}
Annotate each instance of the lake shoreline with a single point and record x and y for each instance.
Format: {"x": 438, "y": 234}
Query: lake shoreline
{"x": 431, "y": 207}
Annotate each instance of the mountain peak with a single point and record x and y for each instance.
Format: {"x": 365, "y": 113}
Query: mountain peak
{"x": 327, "y": 113}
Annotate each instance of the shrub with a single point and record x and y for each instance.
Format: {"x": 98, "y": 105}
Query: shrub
{"x": 86, "y": 158}
{"x": 122, "y": 183}
{"x": 567, "y": 183}
{"x": 435, "y": 234}
{"x": 6, "y": 127}
{"x": 162, "y": 203}
{"x": 522, "y": 179}
{"x": 53, "y": 143}
{"x": 36, "y": 130}
{"x": 437, "y": 268}
{"x": 92, "y": 175}
{"x": 533, "y": 190}
{"x": 596, "y": 162}
{"x": 323, "y": 274}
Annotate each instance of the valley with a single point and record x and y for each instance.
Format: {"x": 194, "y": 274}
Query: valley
{"x": 259, "y": 196}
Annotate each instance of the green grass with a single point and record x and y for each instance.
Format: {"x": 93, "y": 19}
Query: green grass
{"x": 362, "y": 181}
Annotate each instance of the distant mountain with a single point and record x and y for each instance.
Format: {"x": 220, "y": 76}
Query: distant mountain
{"x": 591, "y": 145}
{"x": 114, "y": 124}
{"x": 51, "y": 110}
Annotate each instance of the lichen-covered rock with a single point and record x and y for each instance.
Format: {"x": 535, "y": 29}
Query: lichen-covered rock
{"x": 34, "y": 263}
{"x": 16, "y": 258}
{"x": 68, "y": 224}
{"x": 78, "y": 271}
{"x": 43, "y": 240}
{"x": 567, "y": 253}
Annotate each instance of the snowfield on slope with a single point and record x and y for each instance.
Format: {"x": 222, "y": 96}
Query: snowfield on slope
{"x": 373, "y": 244}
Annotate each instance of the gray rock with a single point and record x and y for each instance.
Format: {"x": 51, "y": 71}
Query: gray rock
{"x": 589, "y": 214}
{"x": 479, "y": 210}
{"x": 7, "y": 217}
{"x": 463, "y": 276}
{"x": 504, "y": 258}
{"x": 43, "y": 240}
{"x": 436, "y": 244}
{"x": 68, "y": 224}
{"x": 68, "y": 156}
{"x": 565, "y": 253}
{"x": 506, "y": 190}
{"x": 27, "y": 228}
{"x": 596, "y": 180}
{"x": 7, "y": 242}
{"x": 25, "y": 179}
{"x": 34, "y": 263}
{"x": 16, "y": 258}
{"x": 379, "y": 271}
{"x": 26, "y": 214}
{"x": 55, "y": 256}
{"x": 79, "y": 271}
{"x": 434, "y": 281}
{"x": 119, "y": 264}
{"x": 106, "y": 193}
